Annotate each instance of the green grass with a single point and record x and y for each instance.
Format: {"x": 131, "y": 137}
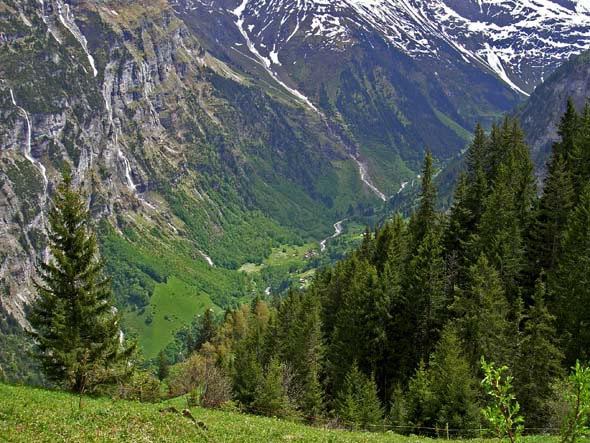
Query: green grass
{"x": 454, "y": 126}
{"x": 35, "y": 415}
{"x": 173, "y": 305}
{"x": 290, "y": 256}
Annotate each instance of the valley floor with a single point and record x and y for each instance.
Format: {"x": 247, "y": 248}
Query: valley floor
{"x": 35, "y": 415}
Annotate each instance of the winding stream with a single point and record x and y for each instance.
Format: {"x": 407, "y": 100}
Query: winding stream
{"x": 337, "y": 232}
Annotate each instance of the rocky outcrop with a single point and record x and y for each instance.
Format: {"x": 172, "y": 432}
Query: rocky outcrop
{"x": 163, "y": 137}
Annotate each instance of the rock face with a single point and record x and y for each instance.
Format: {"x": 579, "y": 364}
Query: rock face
{"x": 540, "y": 115}
{"x": 206, "y": 132}
{"x": 164, "y": 138}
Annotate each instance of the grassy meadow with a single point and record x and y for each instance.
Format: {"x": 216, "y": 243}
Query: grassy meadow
{"x": 40, "y": 416}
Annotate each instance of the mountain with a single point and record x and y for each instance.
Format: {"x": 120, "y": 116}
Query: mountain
{"x": 207, "y": 133}
{"x": 519, "y": 40}
{"x": 541, "y": 113}
{"x": 190, "y": 169}
{"x": 399, "y": 76}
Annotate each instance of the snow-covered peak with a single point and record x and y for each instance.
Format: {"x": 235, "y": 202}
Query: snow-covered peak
{"x": 520, "y": 40}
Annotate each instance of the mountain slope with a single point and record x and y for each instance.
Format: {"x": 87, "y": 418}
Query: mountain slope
{"x": 205, "y": 133}
{"x": 399, "y": 76}
{"x": 541, "y": 113}
{"x": 183, "y": 159}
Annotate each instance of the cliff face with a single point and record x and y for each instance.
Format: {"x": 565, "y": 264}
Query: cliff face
{"x": 199, "y": 146}
{"x": 541, "y": 113}
{"x": 176, "y": 150}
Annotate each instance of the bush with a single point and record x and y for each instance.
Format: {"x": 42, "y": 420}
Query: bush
{"x": 142, "y": 386}
{"x": 203, "y": 379}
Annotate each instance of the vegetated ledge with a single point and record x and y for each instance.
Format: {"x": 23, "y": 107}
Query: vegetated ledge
{"x": 37, "y": 415}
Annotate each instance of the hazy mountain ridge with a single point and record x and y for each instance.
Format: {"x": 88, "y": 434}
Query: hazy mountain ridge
{"x": 540, "y": 115}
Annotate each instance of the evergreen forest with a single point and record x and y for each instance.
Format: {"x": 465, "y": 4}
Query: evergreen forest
{"x": 395, "y": 333}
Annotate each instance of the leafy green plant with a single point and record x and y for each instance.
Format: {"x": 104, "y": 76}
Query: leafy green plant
{"x": 578, "y": 398}
{"x": 502, "y": 412}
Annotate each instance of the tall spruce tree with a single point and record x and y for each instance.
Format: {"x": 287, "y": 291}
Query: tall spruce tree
{"x": 425, "y": 217}
{"x": 481, "y": 315}
{"x": 551, "y": 219}
{"x": 357, "y": 403}
{"x": 567, "y": 130}
{"x": 501, "y": 233}
{"x": 538, "y": 362}
{"x": 453, "y": 385}
{"x": 76, "y": 327}
{"x": 570, "y": 283}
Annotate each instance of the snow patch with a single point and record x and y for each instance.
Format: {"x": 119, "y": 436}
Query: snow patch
{"x": 496, "y": 64}
{"x": 265, "y": 62}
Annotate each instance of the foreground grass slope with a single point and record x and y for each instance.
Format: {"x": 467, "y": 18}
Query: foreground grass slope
{"x": 35, "y": 415}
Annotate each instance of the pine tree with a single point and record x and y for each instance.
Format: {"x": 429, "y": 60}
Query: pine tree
{"x": 567, "y": 130}
{"x": 420, "y": 400}
{"x": 580, "y": 163}
{"x": 399, "y": 351}
{"x": 452, "y": 384}
{"x": 425, "y": 217}
{"x": 476, "y": 153}
{"x": 270, "y": 398}
{"x": 501, "y": 233}
{"x": 163, "y": 366}
{"x": 458, "y": 233}
{"x": 359, "y": 332}
{"x": 551, "y": 219}
{"x": 426, "y": 294}
{"x": 76, "y": 328}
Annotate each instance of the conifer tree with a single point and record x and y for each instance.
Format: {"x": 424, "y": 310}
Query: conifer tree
{"x": 270, "y": 398}
{"x": 538, "y": 362}
{"x": 357, "y": 403}
{"x": 76, "y": 327}
{"x": 481, "y": 315}
{"x": 458, "y": 233}
{"x": 501, "y": 234}
{"x": 420, "y": 400}
{"x": 567, "y": 130}
{"x": 452, "y": 384}
{"x": 400, "y": 351}
{"x": 476, "y": 153}
{"x": 581, "y": 162}
{"x": 426, "y": 294}
{"x": 425, "y": 218}
{"x": 555, "y": 206}
{"x": 359, "y": 332}
{"x": 570, "y": 283}
{"x": 163, "y": 366}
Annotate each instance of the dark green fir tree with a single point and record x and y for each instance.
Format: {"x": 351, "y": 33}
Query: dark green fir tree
{"x": 75, "y": 326}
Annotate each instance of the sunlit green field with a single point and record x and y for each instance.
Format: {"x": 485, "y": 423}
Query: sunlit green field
{"x": 173, "y": 305}
{"x": 38, "y": 416}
